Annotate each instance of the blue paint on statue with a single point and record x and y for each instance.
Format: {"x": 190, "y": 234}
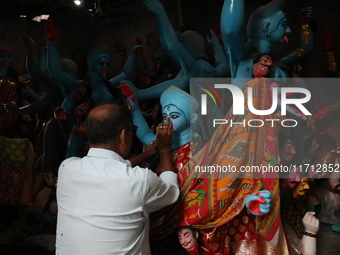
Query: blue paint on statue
{"x": 176, "y": 104}
{"x": 187, "y": 50}
{"x": 267, "y": 26}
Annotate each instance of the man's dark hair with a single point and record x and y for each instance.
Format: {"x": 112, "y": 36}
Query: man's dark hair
{"x": 106, "y": 127}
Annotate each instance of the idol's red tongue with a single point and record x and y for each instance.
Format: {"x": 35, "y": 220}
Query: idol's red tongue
{"x": 6, "y": 63}
{"x": 158, "y": 66}
{"x": 104, "y": 71}
{"x": 258, "y": 75}
{"x": 285, "y": 38}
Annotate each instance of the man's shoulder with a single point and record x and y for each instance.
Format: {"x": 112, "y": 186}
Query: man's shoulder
{"x": 69, "y": 160}
{"x": 140, "y": 173}
{"x": 141, "y": 170}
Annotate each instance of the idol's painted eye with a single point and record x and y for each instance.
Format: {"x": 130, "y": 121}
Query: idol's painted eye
{"x": 103, "y": 63}
{"x": 174, "y": 116}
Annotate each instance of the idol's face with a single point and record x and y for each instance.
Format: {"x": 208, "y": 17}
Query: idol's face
{"x": 186, "y": 238}
{"x": 5, "y": 57}
{"x": 292, "y": 180}
{"x": 79, "y": 93}
{"x": 287, "y": 152}
{"x": 278, "y": 28}
{"x": 102, "y": 65}
{"x": 301, "y": 188}
{"x": 263, "y": 66}
{"x": 177, "y": 117}
{"x": 82, "y": 110}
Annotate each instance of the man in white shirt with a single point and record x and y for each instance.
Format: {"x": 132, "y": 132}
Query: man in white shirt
{"x": 103, "y": 202}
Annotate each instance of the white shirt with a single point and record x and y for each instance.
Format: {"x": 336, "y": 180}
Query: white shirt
{"x": 104, "y": 204}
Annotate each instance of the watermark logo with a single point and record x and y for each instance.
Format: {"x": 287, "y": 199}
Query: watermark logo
{"x": 280, "y": 100}
{"x": 238, "y": 100}
{"x": 233, "y": 123}
{"x": 213, "y": 94}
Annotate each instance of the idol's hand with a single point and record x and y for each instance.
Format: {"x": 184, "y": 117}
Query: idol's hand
{"x": 138, "y": 49}
{"x": 310, "y": 222}
{"x": 213, "y": 39}
{"x": 259, "y": 202}
{"x": 52, "y": 33}
{"x": 130, "y": 97}
{"x": 306, "y": 14}
{"x": 60, "y": 113}
{"x": 154, "y": 5}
